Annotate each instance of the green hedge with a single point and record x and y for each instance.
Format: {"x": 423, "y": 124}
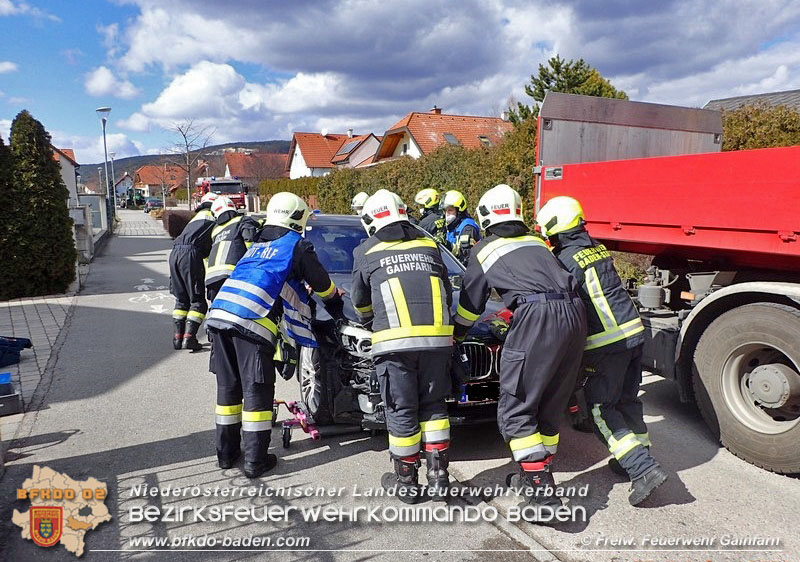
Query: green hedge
{"x": 175, "y": 220}
{"x": 304, "y": 187}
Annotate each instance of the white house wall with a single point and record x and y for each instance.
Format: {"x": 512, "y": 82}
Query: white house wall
{"x": 298, "y": 168}
{"x": 413, "y": 150}
{"x": 68, "y": 176}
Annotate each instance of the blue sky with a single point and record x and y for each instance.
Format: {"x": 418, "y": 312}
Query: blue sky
{"x": 261, "y": 69}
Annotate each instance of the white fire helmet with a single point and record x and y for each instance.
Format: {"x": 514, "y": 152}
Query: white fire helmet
{"x": 209, "y": 197}
{"x": 357, "y": 204}
{"x": 287, "y": 209}
{"x": 221, "y": 205}
{"x": 502, "y": 203}
{"x": 382, "y": 209}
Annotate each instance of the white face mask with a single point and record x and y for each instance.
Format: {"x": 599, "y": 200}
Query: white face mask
{"x": 449, "y": 218}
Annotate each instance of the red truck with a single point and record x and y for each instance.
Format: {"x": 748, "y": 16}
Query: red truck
{"x": 229, "y": 187}
{"x": 721, "y": 300}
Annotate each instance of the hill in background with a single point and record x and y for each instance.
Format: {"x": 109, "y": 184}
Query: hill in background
{"x": 130, "y": 164}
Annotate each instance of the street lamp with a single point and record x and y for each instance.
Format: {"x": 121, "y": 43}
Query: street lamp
{"x": 113, "y": 178}
{"x": 99, "y": 177}
{"x": 102, "y": 113}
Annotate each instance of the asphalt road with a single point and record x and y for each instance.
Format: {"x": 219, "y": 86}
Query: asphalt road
{"x": 126, "y": 408}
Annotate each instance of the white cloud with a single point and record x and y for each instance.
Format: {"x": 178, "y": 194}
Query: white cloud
{"x": 8, "y": 8}
{"x": 7, "y": 66}
{"x": 89, "y": 150}
{"x": 5, "y": 130}
{"x": 102, "y": 82}
{"x": 110, "y": 38}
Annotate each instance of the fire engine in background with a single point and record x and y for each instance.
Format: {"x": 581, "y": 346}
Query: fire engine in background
{"x": 232, "y": 188}
{"x": 721, "y": 301}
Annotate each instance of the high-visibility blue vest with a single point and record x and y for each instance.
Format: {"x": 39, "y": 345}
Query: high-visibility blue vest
{"x": 261, "y": 278}
{"x": 454, "y": 235}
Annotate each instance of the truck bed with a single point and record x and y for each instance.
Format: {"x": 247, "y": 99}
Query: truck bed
{"x": 741, "y": 208}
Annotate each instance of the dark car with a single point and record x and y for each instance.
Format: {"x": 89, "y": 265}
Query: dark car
{"x": 337, "y": 379}
{"x": 153, "y": 203}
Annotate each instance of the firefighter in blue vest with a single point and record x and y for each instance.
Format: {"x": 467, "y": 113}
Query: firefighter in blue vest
{"x": 187, "y": 275}
{"x": 541, "y": 355}
{"x": 265, "y": 289}
{"x": 613, "y": 352}
{"x": 401, "y": 284}
{"x": 231, "y": 236}
{"x": 461, "y": 231}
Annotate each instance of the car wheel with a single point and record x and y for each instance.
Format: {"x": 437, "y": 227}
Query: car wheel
{"x": 313, "y": 388}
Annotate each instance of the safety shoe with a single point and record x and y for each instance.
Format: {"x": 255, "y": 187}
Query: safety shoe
{"x": 190, "y": 342}
{"x": 539, "y": 489}
{"x": 254, "y": 470}
{"x": 403, "y": 482}
{"x": 229, "y": 462}
{"x": 643, "y": 486}
{"x": 438, "y": 476}
{"x": 177, "y": 339}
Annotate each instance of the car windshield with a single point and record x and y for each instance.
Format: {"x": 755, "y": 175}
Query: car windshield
{"x": 227, "y": 187}
{"x": 334, "y": 245}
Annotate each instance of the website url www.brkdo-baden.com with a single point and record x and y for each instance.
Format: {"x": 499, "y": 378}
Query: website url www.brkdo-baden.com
{"x": 201, "y": 542}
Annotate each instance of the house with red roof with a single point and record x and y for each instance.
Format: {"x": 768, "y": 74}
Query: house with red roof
{"x": 356, "y": 150}
{"x": 310, "y": 154}
{"x": 152, "y": 179}
{"x": 69, "y": 171}
{"x": 421, "y": 133}
{"x": 254, "y": 167}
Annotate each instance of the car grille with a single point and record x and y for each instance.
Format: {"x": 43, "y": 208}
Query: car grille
{"x": 484, "y": 361}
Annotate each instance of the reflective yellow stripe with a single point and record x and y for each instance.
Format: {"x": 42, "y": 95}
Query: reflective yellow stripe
{"x": 466, "y": 314}
{"x": 644, "y": 439}
{"x": 398, "y": 245}
{"x": 616, "y": 334}
{"x": 400, "y": 302}
{"x": 327, "y": 292}
{"x": 204, "y": 215}
{"x": 223, "y": 267}
{"x": 268, "y": 324}
{"x": 194, "y": 315}
{"x": 248, "y": 244}
{"x": 434, "y": 425}
{"x": 525, "y": 442}
{"x": 364, "y": 309}
{"x": 412, "y": 332}
{"x": 550, "y": 440}
{"x": 221, "y": 227}
{"x": 179, "y": 313}
{"x": 622, "y": 447}
{"x": 599, "y": 299}
{"x": 436, "y": 299}
{"x": 495, "y": 244}
{"x": 405, "y": 441}
{"x": 229, "y": 410}
{"x": 601, "y": 423}
{"x": 265, "y": 415}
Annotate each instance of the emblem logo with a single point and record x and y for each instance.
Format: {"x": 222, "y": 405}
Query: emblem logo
{"x": 46, "y": 525}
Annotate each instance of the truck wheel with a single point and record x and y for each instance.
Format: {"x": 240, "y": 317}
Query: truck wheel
{"x": 746, "y": 378}
{"x": 313, "y": 384}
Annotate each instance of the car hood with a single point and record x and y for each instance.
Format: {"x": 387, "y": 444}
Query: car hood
{"x": 344, "y": 281}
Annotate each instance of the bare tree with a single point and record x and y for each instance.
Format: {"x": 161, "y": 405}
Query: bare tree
{"x": 190, "y": 146}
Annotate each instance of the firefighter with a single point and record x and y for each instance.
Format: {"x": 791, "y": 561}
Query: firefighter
{"x": 231, "y": 236}
{"x": 542, "y": 352}
{"x": 401, "y": 283}
{"x": 357, "y": 203}
{"x": 265, "y": 289}
{"x": 461, "y": 232}
{"x": 613, "y": 350}
{"x": 431, "y": 219}
{"x": 187, "y": 274}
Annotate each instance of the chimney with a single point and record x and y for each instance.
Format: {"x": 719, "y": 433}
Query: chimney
{"x": 504, "y": 116}
{"x": 436, "y": 110}
{"x": 350, "y": 133}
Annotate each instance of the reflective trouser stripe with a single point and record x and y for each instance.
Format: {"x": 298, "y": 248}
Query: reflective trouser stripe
{"x": 257, "y": 420}
{"x": 465, "y": 317}
{"x": 644, "y": 439}
{"x": 179, "y": 314}
{"x": 601, "y": 424}
{"x": 229, "y": 415}
{"x": 434, "y": 431}
{"x": 400, "y": 302}
{"x": 615, "y": 334}
{"x": 436, "y": 299}
{"x": 521, "y": 447}
{"x": 196, "y": 316}
{"x": 550, "y": 443}
{"x": 620, "y": 447}
{"x": 388, "y": 303}
{"x": 405, "y": 446}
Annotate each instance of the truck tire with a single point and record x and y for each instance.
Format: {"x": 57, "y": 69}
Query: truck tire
{"x": 746, "y": 378}
{"x": 314, "y": 390}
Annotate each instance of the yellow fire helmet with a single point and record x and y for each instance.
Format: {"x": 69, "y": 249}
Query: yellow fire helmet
{"x": 559, "y": 214}
{"x": 427, "y": 198}
{"x": 455, "y": 199}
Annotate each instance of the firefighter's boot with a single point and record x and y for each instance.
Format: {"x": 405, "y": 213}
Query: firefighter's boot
{"x": 536, "y": 483}
{"x": 177, "y": 339}
{"x": 403, "y": 482}
{"x": 190, "y": 337}
{"x": 438, "y": 459}
{"x": 643, "y": 486}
